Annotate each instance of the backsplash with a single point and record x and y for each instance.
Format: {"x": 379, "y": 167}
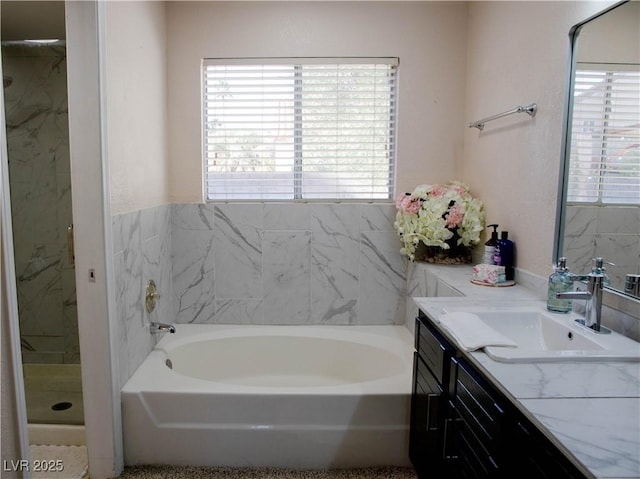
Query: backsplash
{"x": 613, "y": 232}
{"x": 287, "y": 263}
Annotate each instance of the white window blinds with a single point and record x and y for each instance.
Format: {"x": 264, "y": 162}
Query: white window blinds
{"x": 299, "y": 128}
{"x": 605, "y": 137}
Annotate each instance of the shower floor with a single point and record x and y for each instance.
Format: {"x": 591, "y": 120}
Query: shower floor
{"x": 53, "y": 393}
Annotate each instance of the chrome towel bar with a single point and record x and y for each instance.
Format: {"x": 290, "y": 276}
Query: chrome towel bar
{"x": 529, "y": 109}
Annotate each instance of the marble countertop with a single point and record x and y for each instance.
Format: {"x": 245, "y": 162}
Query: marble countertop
{"x": 589, "y": 410}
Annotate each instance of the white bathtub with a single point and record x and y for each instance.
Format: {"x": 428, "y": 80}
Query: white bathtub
{"x": 277, "y": 396}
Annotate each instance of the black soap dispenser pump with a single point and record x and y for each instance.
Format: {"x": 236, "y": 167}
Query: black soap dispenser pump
{"x": 490, "y": 246}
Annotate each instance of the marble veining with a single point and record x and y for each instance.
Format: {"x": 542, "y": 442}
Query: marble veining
{"x": 611, "y": 232}
{"x": 255, "y": 263}
{"x": 142, "y": 251}
{"x": 335, "y": 274}
{"x": 287, "y": 277}
{"x": 238, "y": 252}
{"x": 590, "y": 410}
{"x": 608, "y": 443}
{"x": 193, "y": 273}
{"x": 39, "y": 175}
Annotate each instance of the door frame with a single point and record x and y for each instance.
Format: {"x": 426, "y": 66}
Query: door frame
{"x": 95, "y": 278}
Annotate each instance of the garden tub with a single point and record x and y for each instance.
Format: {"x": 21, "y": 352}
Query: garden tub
{"x": 272, "y": 396}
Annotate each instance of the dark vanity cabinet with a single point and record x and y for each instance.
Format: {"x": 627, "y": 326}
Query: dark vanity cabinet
{"x": 429, "y": 406}
{"x": 480, "y": 417}
{"x": 536, "y": 458}
{"x": 463, "y": 427}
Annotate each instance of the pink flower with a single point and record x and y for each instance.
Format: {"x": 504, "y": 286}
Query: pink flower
{"x": 438, "y": 190}
{"x": 400, "y": 200}
{"x": 408, "y": 204}
{"x": 413, "y": 206}
{"x": 455, "y": 216}
{"x": 459, "y": 189}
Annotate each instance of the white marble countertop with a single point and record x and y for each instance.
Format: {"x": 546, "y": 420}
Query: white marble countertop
{"x": 589, "y": 410}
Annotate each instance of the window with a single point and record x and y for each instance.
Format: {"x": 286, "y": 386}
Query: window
{"x": 604, "y": 164}
{"x": 277, "y": 129}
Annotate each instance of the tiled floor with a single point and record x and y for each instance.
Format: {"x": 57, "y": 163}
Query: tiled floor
{"x": 187, "y": 472}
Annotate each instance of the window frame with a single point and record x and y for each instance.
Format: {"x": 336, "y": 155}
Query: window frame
{"x": 298, "y": 63}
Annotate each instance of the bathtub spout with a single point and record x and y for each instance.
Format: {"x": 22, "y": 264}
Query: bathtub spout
{"x": 162, "y": 328}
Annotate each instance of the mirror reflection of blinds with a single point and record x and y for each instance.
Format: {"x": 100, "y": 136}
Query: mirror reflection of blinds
{"x": 605, "y": 140}
{"x": 280, "y": 129}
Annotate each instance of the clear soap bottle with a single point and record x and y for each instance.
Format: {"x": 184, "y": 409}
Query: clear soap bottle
{"x": 559, "y": 282}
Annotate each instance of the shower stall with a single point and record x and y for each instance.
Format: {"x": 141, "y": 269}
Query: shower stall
{"x": 35, "y": 94}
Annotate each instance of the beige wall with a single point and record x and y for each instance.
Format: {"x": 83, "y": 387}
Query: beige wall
{"x": 136, "y": 105}
{"x": 428, "y": 37}
{"x": 459, "y": 62}
{"x": 518, "y": 53}
{"x": 612, "y": 38}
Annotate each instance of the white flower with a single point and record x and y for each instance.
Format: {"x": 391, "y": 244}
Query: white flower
{"x": 423, "y": 217}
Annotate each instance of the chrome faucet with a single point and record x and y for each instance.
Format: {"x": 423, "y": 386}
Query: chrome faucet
{"x": 595, "y": 283}
{"x": 162, "y": 328}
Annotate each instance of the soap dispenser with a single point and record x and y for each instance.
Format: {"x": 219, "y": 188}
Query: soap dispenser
{"x": 490, "y": 246}
{"x": 503, "y": 255}
{"x": 559, "y": 282}
{"x": 597, "y": 267}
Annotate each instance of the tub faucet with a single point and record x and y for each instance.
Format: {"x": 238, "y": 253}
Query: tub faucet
{"x": 162, "y": 328}
{"x": 596, "y": 281}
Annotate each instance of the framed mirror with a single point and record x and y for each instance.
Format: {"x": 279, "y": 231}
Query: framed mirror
{"x": 599, "y": 190}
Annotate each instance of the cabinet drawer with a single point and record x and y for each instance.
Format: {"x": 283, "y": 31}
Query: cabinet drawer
{"x": 434, "y": 350}
{"x": 478, "y": 407}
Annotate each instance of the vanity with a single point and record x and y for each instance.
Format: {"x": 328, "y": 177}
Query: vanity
{"x": 564, "y": 403}
{"x": 476, "y": 416}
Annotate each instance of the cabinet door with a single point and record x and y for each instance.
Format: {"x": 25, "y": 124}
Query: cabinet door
{"x": 425, "y": 444}
{"x": 534, "y": 457}
{"x": 480, "y": 432}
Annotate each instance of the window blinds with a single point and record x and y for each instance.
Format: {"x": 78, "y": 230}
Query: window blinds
{"x": 605, "y": 137}
{"x": 299, "y": 128}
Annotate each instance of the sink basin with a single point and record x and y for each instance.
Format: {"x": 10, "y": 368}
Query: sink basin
{"x": 544, "y": 336}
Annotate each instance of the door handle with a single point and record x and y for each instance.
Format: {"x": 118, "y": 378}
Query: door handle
{"x": 70, "y": 251}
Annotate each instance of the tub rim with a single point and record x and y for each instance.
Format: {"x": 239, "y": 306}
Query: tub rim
{"x": 153, "y": 376}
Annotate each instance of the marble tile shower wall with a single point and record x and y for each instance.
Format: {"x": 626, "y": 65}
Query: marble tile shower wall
{"x": 35, "y": 93}
{"x": 333, "y": 263}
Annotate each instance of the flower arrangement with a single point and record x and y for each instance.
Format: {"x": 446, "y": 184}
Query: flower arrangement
{"x": 445, "y": 217}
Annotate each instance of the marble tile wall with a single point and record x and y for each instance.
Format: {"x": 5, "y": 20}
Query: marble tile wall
{"x": 141, "y": 252}
{"x": 288, "y": 263}
{"x": 242, "y": 263}
{"x": 35, "y": 90}
{"x": 612, "y": 232}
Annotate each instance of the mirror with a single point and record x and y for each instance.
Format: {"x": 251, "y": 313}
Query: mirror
{"x": 599, "y": 207}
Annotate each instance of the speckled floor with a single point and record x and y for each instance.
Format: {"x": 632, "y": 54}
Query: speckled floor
{"x": 189, "y": 472}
